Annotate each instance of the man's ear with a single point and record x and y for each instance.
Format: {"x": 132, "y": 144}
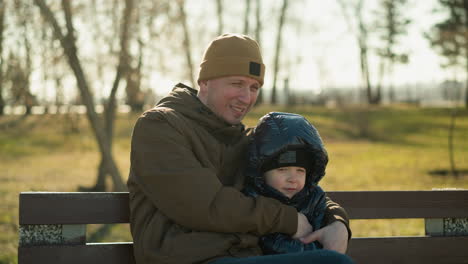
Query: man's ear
{"x": 203, "y": 86}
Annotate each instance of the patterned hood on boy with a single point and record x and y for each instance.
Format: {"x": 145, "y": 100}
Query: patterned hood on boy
{"x": 275, "y": 134}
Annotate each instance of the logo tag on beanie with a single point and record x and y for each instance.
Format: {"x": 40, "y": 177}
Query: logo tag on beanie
{"x": 254, "y": 68}
{"x": 287, "y": 157}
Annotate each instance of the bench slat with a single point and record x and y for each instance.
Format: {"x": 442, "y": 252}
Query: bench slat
{"x": 73, "y": 208}
{"x": 112, "y": 253}
{"x": 414, "y": 250}
{"x": 402, "y": 250}
{"x": 108, "y": 208}
{"x": 403, "y": 204}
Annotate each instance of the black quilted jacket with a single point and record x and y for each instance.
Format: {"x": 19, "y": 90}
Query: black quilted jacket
{"x": 275, "y": 133}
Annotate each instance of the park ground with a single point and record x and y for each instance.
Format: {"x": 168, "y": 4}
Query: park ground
{"x": 383, "y": 148}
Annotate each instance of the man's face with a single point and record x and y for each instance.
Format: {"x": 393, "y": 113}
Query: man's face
{"x": 288, "y": 180}
{"x": 230, "y": 98}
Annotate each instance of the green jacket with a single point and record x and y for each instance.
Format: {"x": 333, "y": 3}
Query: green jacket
{"x": 185, "y": 181}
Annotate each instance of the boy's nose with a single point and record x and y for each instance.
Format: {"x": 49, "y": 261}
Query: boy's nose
{"x": 292, "y": 178}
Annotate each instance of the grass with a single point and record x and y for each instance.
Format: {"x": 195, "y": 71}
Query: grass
{"x": 370, "y": 149}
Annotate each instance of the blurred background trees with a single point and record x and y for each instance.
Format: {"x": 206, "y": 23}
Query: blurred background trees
{"x": 450, "y": 38}
{"x": 102, "y": 57}
{"x": 166, "y": 41}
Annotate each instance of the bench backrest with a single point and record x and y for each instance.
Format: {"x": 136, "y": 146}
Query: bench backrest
{"x": 52, "y": 226}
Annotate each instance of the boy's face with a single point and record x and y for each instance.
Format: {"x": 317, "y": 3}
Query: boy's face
{"x": 287, "y": 180}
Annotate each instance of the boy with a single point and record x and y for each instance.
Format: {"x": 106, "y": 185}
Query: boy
{"x": 287, "y": 159}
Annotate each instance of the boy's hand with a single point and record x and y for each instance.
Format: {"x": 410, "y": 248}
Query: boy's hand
{"x": 303, "y": 226}
{"x": 332, "y": 237}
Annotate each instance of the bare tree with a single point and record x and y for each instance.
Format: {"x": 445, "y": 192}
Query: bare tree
{"x": 100, "y": 128}
{"x": 359, "y": 28}
{"x": 258, "y": 30}
{"x": 450, "y": 37}
{"x": 453, "y": 117}
{"x": 2, "y": 60}
{"x": 55, "y": 64}
{"x": 258, "y": 21}
{"x": 219, "y": 12}
{"x": 278, "y": 49}
{"x": 110, "y": 107}
{"x": 17, "y": 79}
{"x": 135, "y": 97}
{"x": 100, "y": 37}
{"x": 246, "y": 17}
{"x": 390, "y": 29}
{"x": 19, "y": 68}
{"x": 186, "y": 42}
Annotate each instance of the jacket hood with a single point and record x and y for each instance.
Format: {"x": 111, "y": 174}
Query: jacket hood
{"x": 276, "y": 133}
{"x": 185, "y": 101}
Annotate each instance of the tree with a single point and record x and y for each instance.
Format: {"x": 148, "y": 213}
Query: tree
{"x": 186, "y": 42}
{"x": 135, "y": 97}
{"x": 219, "y": 13}
{"x": 2, "y": 27}
{"x": 20, "y": 57}
{"x": 258, "y": 33}
{"x": 278, "y": 49}
{"x": 450, "y": 37}
{"x": 101, "y": 128}
{"x": 360, "y": 30}
{"x": 390, "y": 29}
{"x": 110, "y": 107}
{"x": 246, "y": 17}
{"x": 17, "y": 76}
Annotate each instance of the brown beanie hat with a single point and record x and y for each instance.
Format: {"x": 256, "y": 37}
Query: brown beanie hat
{"x": 232, "y": 54}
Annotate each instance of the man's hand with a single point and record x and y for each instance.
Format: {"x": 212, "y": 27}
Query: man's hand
{"x": 303, "y": 226}
{"x": 332, "y": 237}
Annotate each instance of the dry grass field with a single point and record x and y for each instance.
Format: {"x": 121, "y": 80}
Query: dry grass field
{"x": 397, "y": 148}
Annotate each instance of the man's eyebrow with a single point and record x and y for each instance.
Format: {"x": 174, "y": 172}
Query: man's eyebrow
{"x": 237, "y": 80}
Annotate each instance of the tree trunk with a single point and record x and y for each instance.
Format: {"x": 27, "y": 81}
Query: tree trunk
{"x": 277, "y": 50}
{"x": 219, "y": 12}
{"x": 371, "y": 98}
{"x": 365, "y": 72}
{"x": 28, "y": 99}
{"x": 258, "y": 30}
{"x": 45, "y": 72}
{"x": 2, "y": 27}
{"x": 110, "y": 108}
{"x": 466, "y": 91}
{"x": 68, "y": 44}
{"x": 287, "y": 93}
{"x": 465, "y": 7}
{"x": 246, "y": 17}
{"x": 258, "y": 21}
{"x": 188, "y": 55}
{"x": 360, "y": 31}
{"x": 450, "y": 143}
{"x": 135, "y": 97}
{"x": 380, "y": 80}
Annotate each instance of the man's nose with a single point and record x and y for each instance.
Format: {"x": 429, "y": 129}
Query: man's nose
{"x": 244, "y": 96}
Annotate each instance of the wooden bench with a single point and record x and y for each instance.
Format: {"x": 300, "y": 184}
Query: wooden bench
{"x": 53, "y": 226}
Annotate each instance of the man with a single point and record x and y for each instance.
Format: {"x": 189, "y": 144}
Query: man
{"x": 187, "y": 159}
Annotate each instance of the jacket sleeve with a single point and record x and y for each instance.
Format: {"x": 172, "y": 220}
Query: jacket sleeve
{"x": 167, "y": 171}
{"x": 334, "y": 212}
